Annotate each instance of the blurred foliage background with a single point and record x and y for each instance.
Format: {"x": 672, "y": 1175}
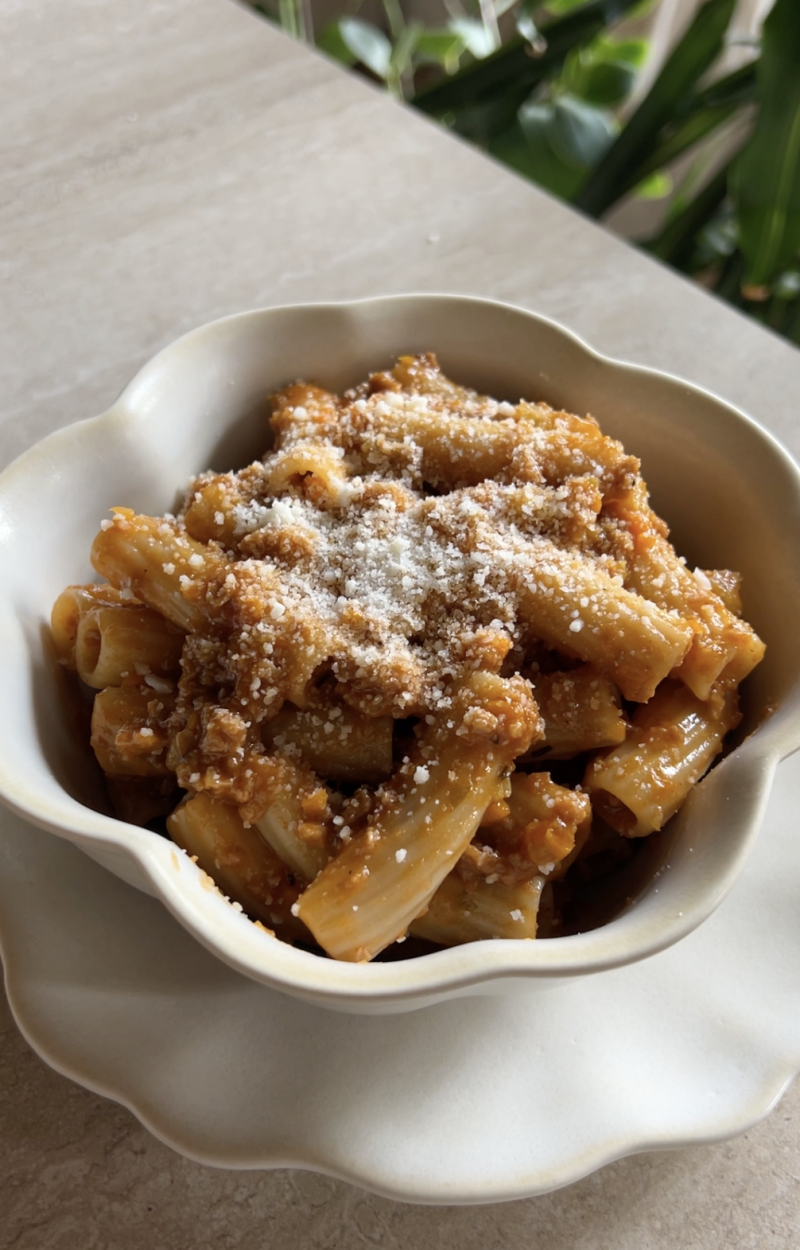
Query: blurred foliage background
{"x": 565, "y": 92}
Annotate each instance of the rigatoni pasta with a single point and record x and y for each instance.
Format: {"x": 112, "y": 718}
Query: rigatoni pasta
{"x": 410, "y": 672}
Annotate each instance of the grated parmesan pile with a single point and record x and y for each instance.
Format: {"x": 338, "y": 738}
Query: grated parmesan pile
{"x": 390, "y": 537}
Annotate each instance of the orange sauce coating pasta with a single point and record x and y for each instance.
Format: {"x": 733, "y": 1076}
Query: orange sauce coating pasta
{"x": 419, "y": 598}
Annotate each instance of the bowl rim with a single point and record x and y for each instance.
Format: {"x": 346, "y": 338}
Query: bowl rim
{"x": 444, "y": 973}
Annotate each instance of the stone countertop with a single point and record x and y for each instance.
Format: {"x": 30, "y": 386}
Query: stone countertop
{"x": 166, "y": 163}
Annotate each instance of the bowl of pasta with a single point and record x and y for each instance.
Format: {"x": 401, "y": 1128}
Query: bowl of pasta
{"x": 405, "y": 648}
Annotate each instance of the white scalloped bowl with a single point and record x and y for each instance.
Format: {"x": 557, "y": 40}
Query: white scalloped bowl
{"x": 729, "y": 491}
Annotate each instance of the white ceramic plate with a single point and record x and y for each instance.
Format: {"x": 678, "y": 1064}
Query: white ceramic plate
{"x": 476, "y": 1100}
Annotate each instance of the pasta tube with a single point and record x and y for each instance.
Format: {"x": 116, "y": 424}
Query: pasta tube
{"x": 571, "y": 603}
{"x": 458, "y": 449}
{"x": 113, "y": 642}
{"x": 340, "y": 743}
{"x": 68, "y": 611}
{"x": 237, "y": 860}
{"x": 303, "y": 410}
{"x": 129, "y": 730}
{"x": 567, "y": 599}
{"x": 211, "y": 512}
{"x": 639, "y": 785}
{"x": 472, "y": 909}
{"x": 547, "y": 825}
{"x": 160, "y": 566}
{"x": 317, "y": 468}
{"x": 297, "y": 821}
{"x": 723, "y": 645}
{"x": 581, "y": 711}
{"x": 422, "y": 821}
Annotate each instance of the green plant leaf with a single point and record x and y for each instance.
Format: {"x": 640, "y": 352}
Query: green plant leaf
{"x": 675, "y": 243}
{"x": 729, "y": 283}
{"x": 708, "y": 111}
{"x": 559, "y": 8}
{"x": 720, "y": 238}
{"x": 601, "y": 82}
{"x": 484, "y": 122}
{"x": 736, "y": 88}
{"x": 604, "y": 71}
{"x": 367, "y": 44}
{"x": 788, "y": 284}
{"x": 474, "y": 35}
{"x": 331, "y": 42}
{"x": 766, "y": 181}
{"x": 685, "y": 189}
{"x": 440, "y": 47}
{"x": 692, "y": 56}
{"x": 553, "y": 142}
{"x": 529, "y": 151}
{"x": 691, "y": 130}
{"x": 791, "y": 327}
{"x": 512, "y": 70}
{"x": 580, "y": 133}
{"x": 655, "y": 186}
{"x": 631, "y": 51}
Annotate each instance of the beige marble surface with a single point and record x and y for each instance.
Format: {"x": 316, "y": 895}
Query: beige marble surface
{"x": 167, "y": 162}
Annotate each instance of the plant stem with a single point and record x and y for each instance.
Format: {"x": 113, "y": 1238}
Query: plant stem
{"x": 729, "y": 283}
